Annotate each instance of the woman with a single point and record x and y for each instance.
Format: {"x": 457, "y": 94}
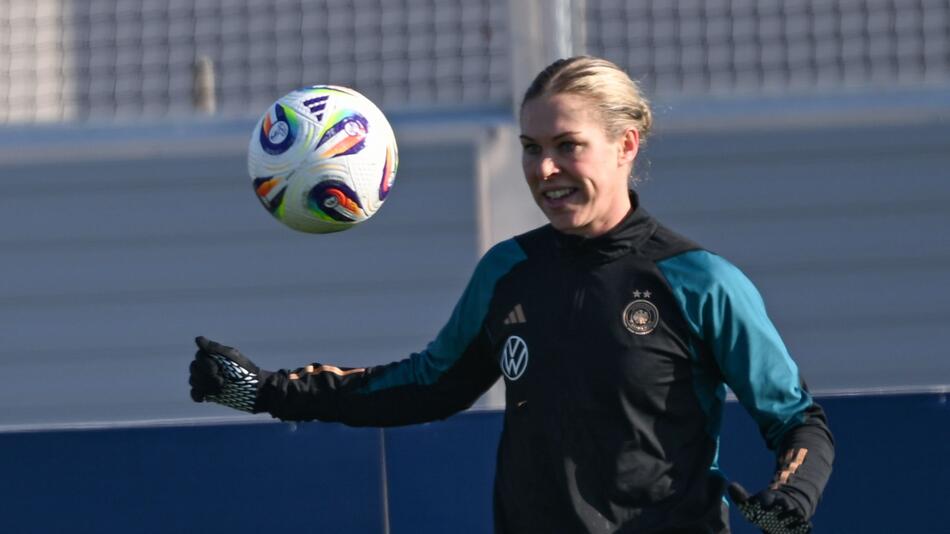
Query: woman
{"x": 615, "y": 336}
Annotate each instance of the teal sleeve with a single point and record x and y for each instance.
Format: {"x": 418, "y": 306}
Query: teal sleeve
{"x": 428, "y": 366}
{"x": 446, "y": 377}
{"x": 726, "y": 312}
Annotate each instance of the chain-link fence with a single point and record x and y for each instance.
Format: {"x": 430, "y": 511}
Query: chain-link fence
{"x": 104, "y": 59}
{"x": 701, "y": 47}
{"x": 115, "y": 59}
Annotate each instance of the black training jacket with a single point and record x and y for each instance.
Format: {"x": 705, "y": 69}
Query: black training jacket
{"x": 616, "y": 352}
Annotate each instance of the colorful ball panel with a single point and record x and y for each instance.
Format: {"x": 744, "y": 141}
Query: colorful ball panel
{"x": 322, "y": 159}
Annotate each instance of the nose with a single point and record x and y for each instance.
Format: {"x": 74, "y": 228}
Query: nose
{"x": 546, "y": 167}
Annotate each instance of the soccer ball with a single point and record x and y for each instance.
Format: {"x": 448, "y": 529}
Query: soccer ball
{"x": 322, "y": 159}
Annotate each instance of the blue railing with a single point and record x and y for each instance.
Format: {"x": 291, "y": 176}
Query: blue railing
{"x": 889, "y": 475}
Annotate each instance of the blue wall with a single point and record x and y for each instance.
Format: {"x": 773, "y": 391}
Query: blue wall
{"x": 892, "y": 461}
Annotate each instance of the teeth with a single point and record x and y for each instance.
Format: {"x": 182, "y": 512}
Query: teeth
{"x": 558, "y": 193}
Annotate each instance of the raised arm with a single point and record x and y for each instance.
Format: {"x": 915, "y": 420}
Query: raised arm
{"x": 447, "y": 377}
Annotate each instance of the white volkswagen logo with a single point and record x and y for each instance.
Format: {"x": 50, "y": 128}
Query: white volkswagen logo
{"x": 514, "y": 358}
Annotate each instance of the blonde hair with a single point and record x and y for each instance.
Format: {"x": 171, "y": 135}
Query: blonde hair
{"x": 618, "y": 98}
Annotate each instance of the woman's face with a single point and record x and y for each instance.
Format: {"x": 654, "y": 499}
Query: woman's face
{"x": 577, "y": 175}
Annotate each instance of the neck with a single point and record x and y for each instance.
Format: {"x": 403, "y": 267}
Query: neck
{"x": 617, "y": 213}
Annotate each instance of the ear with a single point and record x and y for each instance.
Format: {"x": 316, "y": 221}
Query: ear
{"x": 629, "y": 146}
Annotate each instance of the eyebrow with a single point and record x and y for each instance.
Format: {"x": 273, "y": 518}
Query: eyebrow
{"x": 555, "y": 138}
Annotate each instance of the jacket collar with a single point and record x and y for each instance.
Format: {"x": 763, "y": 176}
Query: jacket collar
{"x": 629, "y": 234}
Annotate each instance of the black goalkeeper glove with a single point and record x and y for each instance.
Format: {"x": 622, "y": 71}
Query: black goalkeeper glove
{"x": 771, "y": 510}
{"x": 223, "y": 375}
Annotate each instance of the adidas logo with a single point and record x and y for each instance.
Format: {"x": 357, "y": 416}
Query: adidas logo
{"x": 317, "y": 105}
{"x": 516, "y": 316}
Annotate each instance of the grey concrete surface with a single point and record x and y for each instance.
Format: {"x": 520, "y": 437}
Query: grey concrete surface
{"x": 121, "y": 245}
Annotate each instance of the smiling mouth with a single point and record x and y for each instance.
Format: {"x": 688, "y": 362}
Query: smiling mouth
{"x": 558, "y": 194}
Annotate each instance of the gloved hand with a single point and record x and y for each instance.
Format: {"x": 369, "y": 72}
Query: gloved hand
{"x": 771, "y": 510}
{"x": 223, "y": 375}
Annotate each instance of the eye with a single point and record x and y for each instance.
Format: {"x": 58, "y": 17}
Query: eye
{"x": 568, "y": 147}
{"x": 531, "y": 149}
